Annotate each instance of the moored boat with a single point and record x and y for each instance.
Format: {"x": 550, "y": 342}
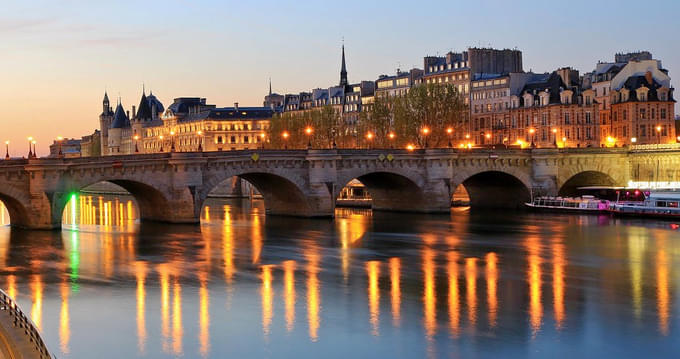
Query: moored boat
{"x": 658, "y": 204}
{"x": 585, "y": 203}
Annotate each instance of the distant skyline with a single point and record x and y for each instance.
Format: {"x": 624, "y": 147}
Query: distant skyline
{"x": 59, "y": 57}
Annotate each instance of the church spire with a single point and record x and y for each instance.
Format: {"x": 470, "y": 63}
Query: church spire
{"x": 270, "y": 86}
{"x": 343, "y": 69}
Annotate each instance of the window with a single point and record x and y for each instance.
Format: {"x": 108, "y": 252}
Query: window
{"x": 245, "y": 139}
{"x": 219, "y": 139}
{"x": 567, "y": 121}
{"x": 662, "y": 112}
{"x": 643, "y": 114}
{"x": 233, "y": 139}
{"x": 588, "y": 119}
{"x": 643, "y": 131}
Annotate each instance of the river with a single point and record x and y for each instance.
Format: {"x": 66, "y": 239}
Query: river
{"x": 367, "y": 284}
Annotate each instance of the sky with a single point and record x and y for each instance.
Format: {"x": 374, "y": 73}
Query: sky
{"x": 58, "y": 57}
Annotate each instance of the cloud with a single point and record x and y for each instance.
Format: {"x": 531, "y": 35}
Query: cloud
{"x": 16, "y": 25}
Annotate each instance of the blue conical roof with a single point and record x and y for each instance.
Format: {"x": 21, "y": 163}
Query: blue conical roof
{"x": 120, "y": 119}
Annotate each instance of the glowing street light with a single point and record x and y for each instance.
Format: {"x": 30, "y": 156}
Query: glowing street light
{"x": 59, "y": 140}
{"x": 449, "y": 132}
{"x": 285, "y": 136}
{"x": 161, "y": 138}
{"x": 633, "y": 140}
{"x": 262, "y": 137}
{"x": 532, "y": 131}
{"x": 369, "y": 137}
{"x": 564, "y": 142}
{"x": 7, "y": 149}
{"x": 136, "y": 138}
{"x": 611, "y": 141}
{"x": 35, "y": 152}
{"x": 309, "y": 131}
{"x": 554, "y": 131}
{"x": 410, "y": 147}
{"x": 30, "y": 149}
{"x": 426, "y": 131}
{"x": 391, "y": 136}
{"x": 200, "y": 140}
{"x": 658, "y": 133}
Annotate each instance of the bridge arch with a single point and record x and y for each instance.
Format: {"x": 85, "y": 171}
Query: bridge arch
{"x": 495, "y": 188}
{"x": 152, "y": 203}
{"x": 282, "y": 194}
{"x": 16, "y": 204}
{"x": 584, "y": 179}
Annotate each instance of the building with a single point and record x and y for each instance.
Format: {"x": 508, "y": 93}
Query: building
{"x": 90, "y": 145}
{"x": 189, "y": 124}
{"x": 642, "y": 109}
{"x": 67, "y": 147}
{"x": 553, "y": 111}
{"x": 399, "y": 84}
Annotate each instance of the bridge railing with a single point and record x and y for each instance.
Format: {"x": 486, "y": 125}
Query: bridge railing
{"x": 23, "y": 323}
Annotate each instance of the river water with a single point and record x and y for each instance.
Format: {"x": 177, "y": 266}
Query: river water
{"x": 466, "y": 285}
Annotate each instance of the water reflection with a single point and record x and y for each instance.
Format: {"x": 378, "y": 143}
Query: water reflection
{"x": 4, "y": 215}
{"x": 267, "y": 285}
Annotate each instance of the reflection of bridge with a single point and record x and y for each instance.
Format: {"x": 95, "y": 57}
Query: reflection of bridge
{"x": 172, "y": 187}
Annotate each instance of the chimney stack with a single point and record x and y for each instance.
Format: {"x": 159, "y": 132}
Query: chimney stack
{"x": 236, "y": 106}
{"x": 134, "y": 111}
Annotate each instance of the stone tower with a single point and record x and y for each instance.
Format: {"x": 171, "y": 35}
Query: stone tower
{"x": 105, "y": 120}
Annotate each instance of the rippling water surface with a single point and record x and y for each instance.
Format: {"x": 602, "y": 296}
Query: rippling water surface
{"x": 465, "y": 285}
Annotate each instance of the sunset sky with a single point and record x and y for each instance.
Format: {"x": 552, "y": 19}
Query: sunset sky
{"x": 57, "y": 57}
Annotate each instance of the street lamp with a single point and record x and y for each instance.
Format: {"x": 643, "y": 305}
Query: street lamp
{"x": 532, "y": 131}
{"x": 136, "y": 139}
{"x": 658, "y": 134}
{"x": 172, "y": 141}
{"x": 7, "y": 149}
{"x": 262, "y": 137}
{"x": 369, "y": 137}
{"x": 285, "y": 136}
{"x": 30, "y": 149}
{"x": 35, "y": 152}
{"x": 449, "y": 132}
{"x": 554, "y": 131}
{"x": 564, "y": 142}
{"x": 410, "y": 147}
{"x": 161, "y": 138}
{"x": 426, "y": 131}
{"x": 633, "y": 140}
{"x": 59, "y": 140}
{"x": 391, "y": 136}
{"x": 200, "y": 140}
{"x": 309, "y": 131}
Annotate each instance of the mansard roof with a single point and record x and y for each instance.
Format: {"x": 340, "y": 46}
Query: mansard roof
{"x": 242, "y": 113}
{"x": 635, "y": 82}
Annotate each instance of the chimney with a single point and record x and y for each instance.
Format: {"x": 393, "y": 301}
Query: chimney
{"x": 128, "y": 114}
{"x": 648, "y": 77}
{"x": 134, "y": 111}
{"x": 236, "y": 106}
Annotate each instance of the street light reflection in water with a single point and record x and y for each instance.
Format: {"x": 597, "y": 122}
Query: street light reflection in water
{"x": 407, "y": 285}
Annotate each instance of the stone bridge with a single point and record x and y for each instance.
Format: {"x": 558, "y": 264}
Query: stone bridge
{"x": 172, "y": 187}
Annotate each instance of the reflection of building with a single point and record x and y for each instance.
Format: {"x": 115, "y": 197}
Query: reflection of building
{"x": 189, "y": 124}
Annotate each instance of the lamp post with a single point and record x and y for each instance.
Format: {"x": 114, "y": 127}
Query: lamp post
{"x": 391, "y": 136}
{"x": 532, "y": 131}
{"x": 285, "y": 136}
{"x": 172, "y": 141}
{"x": 564, "y": 142}
{"x": 308, "y": 132}
{"x": 369, "y": 138}
{"x": 426, "y": 131}
{"x": 449, "y": 132}
{"x": 7, "y": 149}
{"x": 200, "y": 140}
{"x": 488, "y": 137}
{"x": 262, "y": 138}
{"x": 334, "y": 145}
{"x": 161, "y": 138}
{"x": 554, "y": 131}
{"x": 658, "y": 134}
{"x": 59, "y": 141}
{"x": 30, "y": 149}
{"x": 136, "y": 140}
{"x": 35, "y": 152}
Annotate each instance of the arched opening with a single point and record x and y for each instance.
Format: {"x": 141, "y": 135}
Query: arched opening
{"x": 585, "y": 179}
{"x": 460, "y": 197}
{"x": 12, "y": 212}
{"x": 383, "y": 191}
{"x": 4, "y": 215}
{"x": 111, "y": 206}
{"x": 279, "y": 195}
{"x": 495, "y": 189}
